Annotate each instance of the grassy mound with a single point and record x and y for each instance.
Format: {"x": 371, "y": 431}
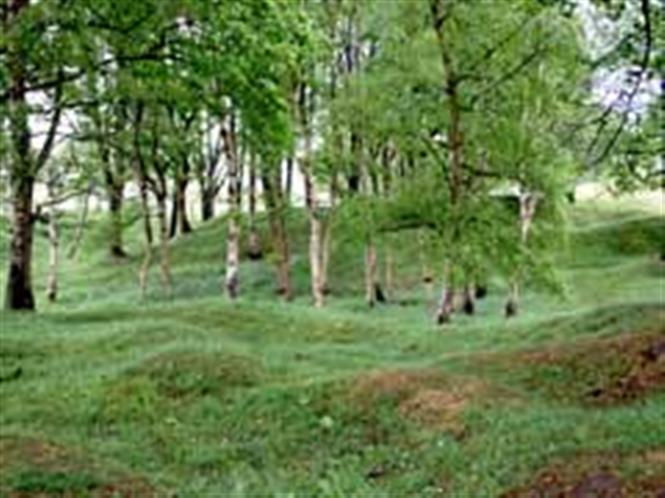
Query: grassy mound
{"x": 181, "y": 374}
{"x": 32, "y": 467}
{"x": 607, "y": 475}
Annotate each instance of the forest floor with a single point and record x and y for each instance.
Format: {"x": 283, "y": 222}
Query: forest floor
{"x": 103, "y": 394}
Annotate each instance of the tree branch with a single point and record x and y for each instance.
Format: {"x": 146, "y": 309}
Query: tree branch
{"x": 46, "y": 149}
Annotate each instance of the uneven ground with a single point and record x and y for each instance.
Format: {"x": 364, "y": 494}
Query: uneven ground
{"x": 104, "y": 395}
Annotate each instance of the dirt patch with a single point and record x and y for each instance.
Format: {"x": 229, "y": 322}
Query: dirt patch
{"x": 181, "y": 374}
{"x": 423, "y": 396}
{"x": 597, "y": 476}
{"x": 393, "y": 384}
{"x": 600, "y": 372}
{"x": 34, "y": 468}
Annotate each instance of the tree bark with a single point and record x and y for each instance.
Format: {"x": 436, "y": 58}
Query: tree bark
{"x": 469, "y": 300}
{"x": 53, "y": 256}
{"x": 165, "y": 256}
{"x": 527, "y": 210}
{"x": 447, "y": 304}
{"x": 370, "y": 273}
{"x": 115, "y": 189}
{"x": 325, "y": 252}
{"x": 275, "y": 208}
{"x": 181, "y": 200}
{"x": 18, "y": 294}
{"x": 232, "y": 277}
{"x": 316, "y": 244}
{"x": 148, "y": 238}
{"x": 80, "y": 227}
{"x": 53, "y": 236}
{"x": 207, "y": 205}
{"x": 179, "y": 219}
{"x": 389, "y": 270}
{"x": 316, "y": 224}
{"x": 254, "y": 250}
{"x": 288, "y": 186}
{"x": 455, "y": 146}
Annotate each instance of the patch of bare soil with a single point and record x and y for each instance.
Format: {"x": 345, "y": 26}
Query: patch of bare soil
{"x": 600, "y": 476}
{"x": 31, "y": 468}
{"x": 423, "y": 396}
{"x": 601, "y": 372}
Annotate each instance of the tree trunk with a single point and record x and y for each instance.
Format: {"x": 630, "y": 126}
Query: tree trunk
{"x": 316, "y": 225}
{"x": 53, "y": 239}
{"x": 280, "y": 237}
{"x": 18, "y": 294}
{"x": 316, "y": 243}
{"x": 275, "y": 208}
{"x": 254, "y": 250}
{"x": 527, "y": 209}
{"x": 389, "y": 269}
{"x": 179, "y": 219}
{"x": 469, "y": 300}
{"x": 327, "y": 233}
{"x": 116, "y": 196}
{"x": 455, "y": 151}
{"x": 173, "y": 225}
{"x": 181, "y": 200}
{"x": 288, "y": 186}
{"x": 232, "y": 277}
{"x": 512, "y": 304}
{"x": 232, "y": 256}
{"x": 370, "y": 273}
{"x": 207, "y": 204}
{"x": 165, "y": 256}
{"x": 325, "y": 253}
{"x": 447, "y": 304}
{"x": 147, "y": 231}
{"x": 80, "y": 227}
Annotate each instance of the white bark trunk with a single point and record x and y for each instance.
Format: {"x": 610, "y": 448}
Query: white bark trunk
{"x": 447, "y": 303}
{"x": 232, "y": 276}
{"x": 528, "y": 203}
{"x": 231, "y": 279}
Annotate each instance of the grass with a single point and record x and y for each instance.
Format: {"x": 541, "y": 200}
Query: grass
{"x": 103, "y": 393}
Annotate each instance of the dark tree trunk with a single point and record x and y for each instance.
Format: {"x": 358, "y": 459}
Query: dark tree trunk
{"x": 254, "y": 250}
{"x": 173, "y": 225}
{"x": 353, "y": 176}
{"x": 469, "y": 300}
{"x": 179, "y": 219}
{"x": 19, "y": 295}
{"x": 116, "y": 197}
{"x": 181, "y": 200}
{"x": 165, "y": 258}
{"x": 481, "y": 291}
{"x": 288, "y": 187}
{"x": 207, "y": 205}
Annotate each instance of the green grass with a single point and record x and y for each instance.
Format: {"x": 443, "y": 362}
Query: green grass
{"x": 196, "y": 396}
